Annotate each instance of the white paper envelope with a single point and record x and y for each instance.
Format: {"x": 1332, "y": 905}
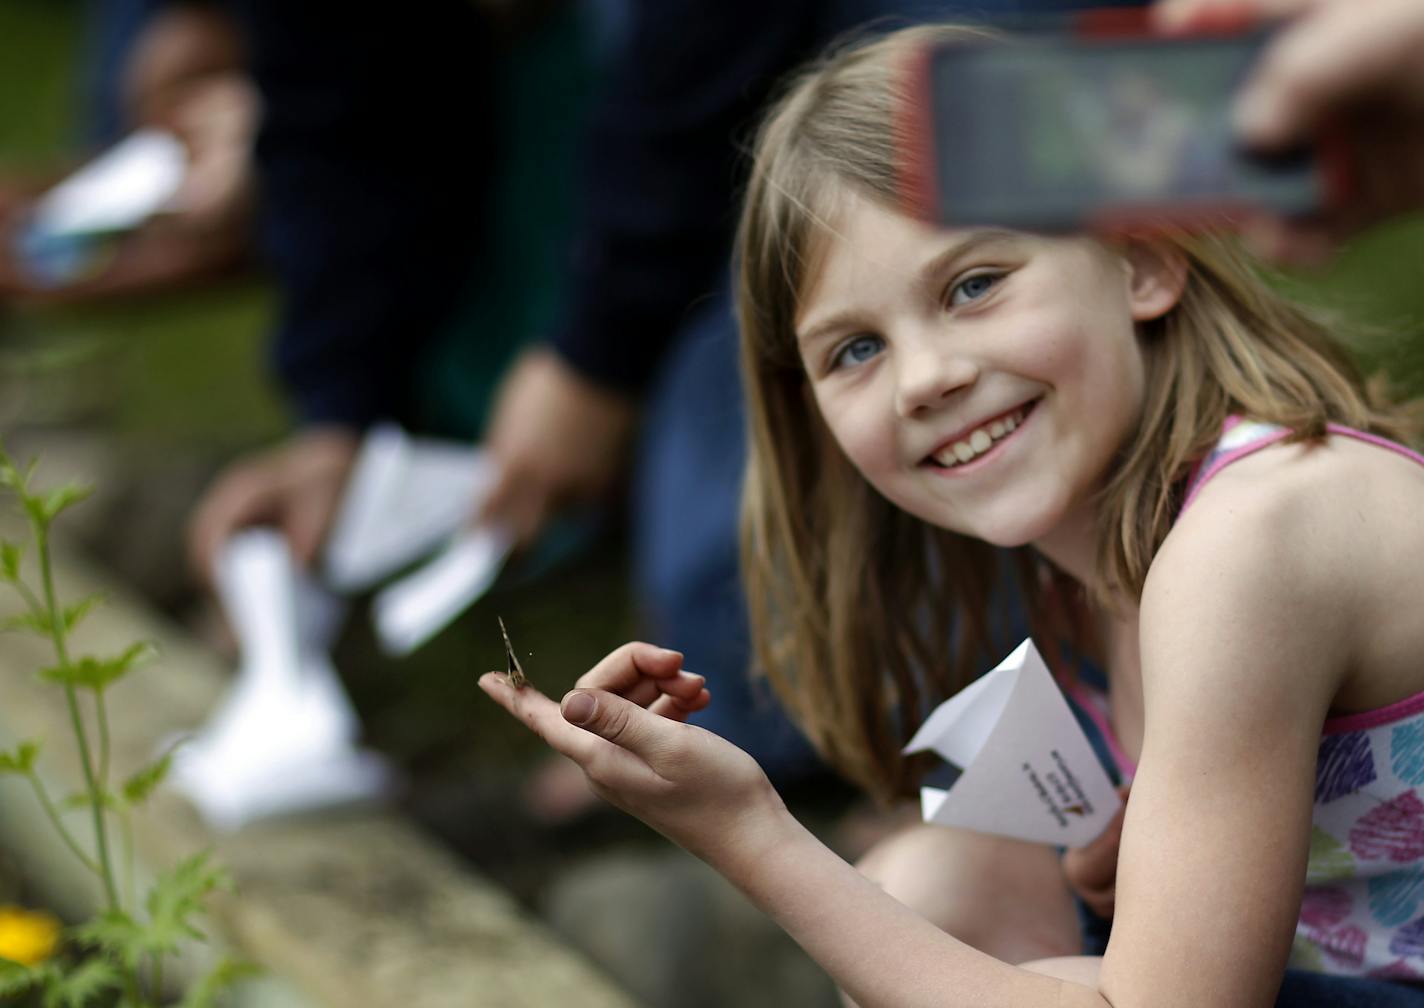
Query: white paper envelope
{"x": 405, "y": 497}
{"x": 283, "y": 738}
{"x": 118, "y": 190}
{"x": 420, "y": 605}
{"x": 1029, "y": 771}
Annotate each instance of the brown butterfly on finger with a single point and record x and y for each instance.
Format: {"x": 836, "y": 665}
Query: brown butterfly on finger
{"x": 514, "y": 672}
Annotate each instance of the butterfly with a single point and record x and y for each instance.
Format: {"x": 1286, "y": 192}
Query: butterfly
{"x": 514, "y": 671}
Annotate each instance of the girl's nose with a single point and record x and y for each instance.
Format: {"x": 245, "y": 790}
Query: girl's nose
{"x": 929, "y": 373}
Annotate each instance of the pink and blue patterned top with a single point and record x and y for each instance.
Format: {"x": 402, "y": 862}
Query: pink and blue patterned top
{"x": 1363, "y": 909}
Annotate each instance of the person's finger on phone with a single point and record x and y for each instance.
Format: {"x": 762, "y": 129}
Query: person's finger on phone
{"x": 1194, "y": 16}
{"x": 1308, "y": 245}
{"x": 1321, "y": 63}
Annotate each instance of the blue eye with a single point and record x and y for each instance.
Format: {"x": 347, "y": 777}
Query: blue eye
{"x": 857, "y": 350}
{"x": 972, "y": 288}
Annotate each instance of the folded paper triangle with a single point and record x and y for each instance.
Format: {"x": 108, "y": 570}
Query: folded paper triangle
{"x": 1029, "y": 771}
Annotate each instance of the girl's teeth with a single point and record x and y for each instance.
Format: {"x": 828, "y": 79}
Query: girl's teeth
{"x": 979, "y": 441}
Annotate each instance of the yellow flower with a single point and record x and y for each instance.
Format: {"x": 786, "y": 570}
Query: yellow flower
{"x": 27, "y": 936}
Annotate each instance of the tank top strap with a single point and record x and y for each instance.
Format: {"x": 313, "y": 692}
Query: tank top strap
{"x": 1239, "y": 437}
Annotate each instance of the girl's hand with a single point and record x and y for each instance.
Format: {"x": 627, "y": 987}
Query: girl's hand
{"x": 1091, "y": 871}
{"x": 650, "y": 677}
{"x": 695, "y": 788}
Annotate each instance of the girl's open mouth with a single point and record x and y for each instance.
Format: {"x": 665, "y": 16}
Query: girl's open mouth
{"x": 982, "y": 440}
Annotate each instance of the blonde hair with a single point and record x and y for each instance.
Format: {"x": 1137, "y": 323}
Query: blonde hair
{"x": 863, "y": 616}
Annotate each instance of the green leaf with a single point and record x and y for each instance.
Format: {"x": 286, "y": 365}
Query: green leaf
{"x": 142, "y": 784}
{"x": 82, "y": 985}
{"x": 76, "y": 611}
{"x": 117, "y": 934}
{"x": 45, "y": 508}
{"x": 30, "y": 622}
{"x": 16, "y": 978}
{"x": 178, "y": 896}
{"x": 228, "y": 972}
{"x": 10, "y": 476}
{"x": 10, "y": 555}
{"x": 173, "y": 901}
{"x": 82, "y": 800}
{"x": 22, "y": 760}
{"x": 97, "y": 674}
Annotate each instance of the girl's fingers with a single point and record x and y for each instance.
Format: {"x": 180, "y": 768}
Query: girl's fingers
{"x": 538, "y": 712}
{"x": 544, "y": 718}
{"x": 623, "y": 667}
{"x": 686, "y": 686}
{"x": 684, "y": 690}
{"x": 632, "y": 729}
{"x": 678, "y": 709}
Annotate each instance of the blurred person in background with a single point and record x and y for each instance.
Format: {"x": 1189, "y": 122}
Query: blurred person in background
{"x": 368, "y": 212}
{"x": 174, "y": 66}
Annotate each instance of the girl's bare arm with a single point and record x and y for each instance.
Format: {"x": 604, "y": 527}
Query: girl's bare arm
{"x": 1244, "y": 641}
{"x": 1239, "y": 658}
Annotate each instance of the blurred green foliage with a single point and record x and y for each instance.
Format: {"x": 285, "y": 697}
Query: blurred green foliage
{"x": 36, "y": 78}
{"x": 182, "y": 369}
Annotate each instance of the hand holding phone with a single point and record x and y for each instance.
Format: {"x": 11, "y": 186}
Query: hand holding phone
{"x": 1351, "y": 66}
{"x": 1071, "y": 131}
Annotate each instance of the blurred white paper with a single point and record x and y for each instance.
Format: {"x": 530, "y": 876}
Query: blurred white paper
{"x": 420, "y": 605}
{"x": 1028, "y": 770}
{"x": 404, "y": 498}
{"x": 283, "y": 738}
{"x": 118, "y": 190}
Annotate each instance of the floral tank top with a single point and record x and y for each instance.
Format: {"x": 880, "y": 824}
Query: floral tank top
{"x": 1363, "y": 909}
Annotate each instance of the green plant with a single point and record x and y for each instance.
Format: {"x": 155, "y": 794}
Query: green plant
{"x": 125, "y": 946}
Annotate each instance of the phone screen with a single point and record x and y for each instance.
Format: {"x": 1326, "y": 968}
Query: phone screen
{"x": 1051, "y": 134}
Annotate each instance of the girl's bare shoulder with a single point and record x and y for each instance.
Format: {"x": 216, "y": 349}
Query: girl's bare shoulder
{"x": 1316, "y": 545}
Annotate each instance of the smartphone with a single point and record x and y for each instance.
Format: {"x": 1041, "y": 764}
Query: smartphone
{"x": 1071, "y": 131}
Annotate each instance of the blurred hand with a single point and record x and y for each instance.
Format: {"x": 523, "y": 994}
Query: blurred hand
{"x": 216, "y": 118}
{"x": 692, "y": 786}
{"x": 557, "y": 438}
{"x": 295, "y": 486}
{"x": 185, "y": 73}
{"x": 1352, "y": 67}
{"x": 1091, "y": 871}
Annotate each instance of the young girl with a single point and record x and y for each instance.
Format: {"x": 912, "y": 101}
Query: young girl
{"x": 1200, "y": 495}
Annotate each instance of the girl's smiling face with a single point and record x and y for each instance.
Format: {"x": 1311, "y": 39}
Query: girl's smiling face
{"x": 982, "y": 380}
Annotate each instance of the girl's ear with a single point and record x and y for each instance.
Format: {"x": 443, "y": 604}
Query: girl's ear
{"x": 1157, "y": 275}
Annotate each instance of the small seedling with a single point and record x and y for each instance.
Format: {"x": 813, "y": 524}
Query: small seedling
{"x": 127, "y": 945}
